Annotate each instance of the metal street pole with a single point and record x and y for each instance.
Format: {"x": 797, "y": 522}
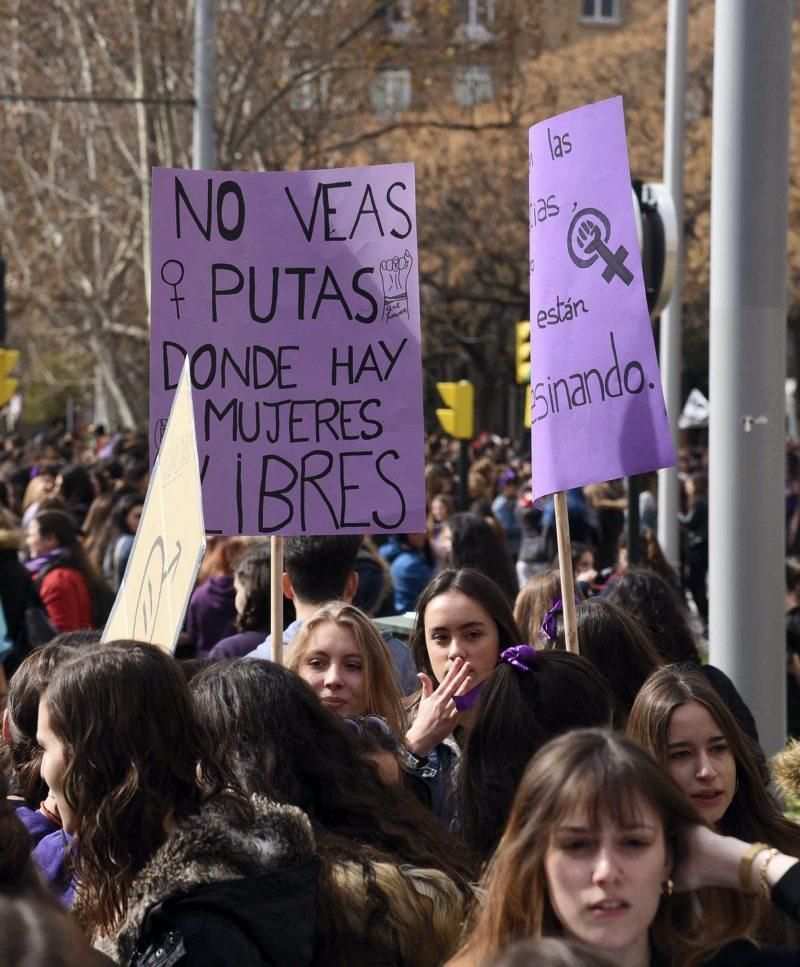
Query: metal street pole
{"x": 670, "y": 352}
{"x": 749, "y": 204}
{"x": 203, "y": 140}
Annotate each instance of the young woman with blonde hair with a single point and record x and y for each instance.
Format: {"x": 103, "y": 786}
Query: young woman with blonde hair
{"x": 341, "y": 654}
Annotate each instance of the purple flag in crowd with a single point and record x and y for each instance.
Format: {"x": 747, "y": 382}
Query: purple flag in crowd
{"x": 598, "y": 411}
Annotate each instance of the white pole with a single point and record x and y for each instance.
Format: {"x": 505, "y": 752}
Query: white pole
{"x": 670, "y": 351}
{"x": 749, "y": 204}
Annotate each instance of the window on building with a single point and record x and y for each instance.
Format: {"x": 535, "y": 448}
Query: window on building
{"x": 600, "y": 11}
{"x": 473, "y": 85}
{"x": 391, "y": 91}
{"x": 310, "y": 91}
{"x": 399, "y": 18}
{"x": 476, "y": 20}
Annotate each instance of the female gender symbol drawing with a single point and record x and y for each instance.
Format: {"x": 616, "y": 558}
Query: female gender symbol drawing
{"x": 588, "y": 233}
{"x": 175, "y": 278}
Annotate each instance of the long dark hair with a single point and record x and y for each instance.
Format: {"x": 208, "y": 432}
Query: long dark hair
{"x": 752, "y": 814}
{"x": 252, "y": 571}
{"x": 519, "y": 711}
{"x": 476, "y": 544}
{"x": 125, "y": 772}
{"x": 77, "y": 490}
{"x": 273, "y": 736}
{"x": 650, "y": 599}
{"x": 20, "y": 755}
{"x": 476, "y": 585}
{"x": 616, "y": 644}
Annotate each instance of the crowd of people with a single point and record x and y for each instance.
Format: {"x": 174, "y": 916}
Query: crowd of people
{"x": 474, "y": 795}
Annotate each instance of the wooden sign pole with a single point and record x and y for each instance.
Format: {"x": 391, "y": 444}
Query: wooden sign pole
{"x": 565, "y": 569}
{"x": 276, "y": 597}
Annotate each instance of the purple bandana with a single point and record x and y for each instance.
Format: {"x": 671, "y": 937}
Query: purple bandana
{"x": 550, "y": 623}
{"x": 522, "y": 657}
{"x": 465, "y": 702}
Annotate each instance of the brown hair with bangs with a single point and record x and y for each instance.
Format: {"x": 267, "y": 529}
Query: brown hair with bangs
{"x": 134, "y": 751}
{"x": 607, "y": 774}
{"x": 381, "y": 687}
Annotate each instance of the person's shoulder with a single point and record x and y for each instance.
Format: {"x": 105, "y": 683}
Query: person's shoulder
{"x": 232, "y": 858}
{"x": 238, "y": 645}
{"x": 62, "y": 575}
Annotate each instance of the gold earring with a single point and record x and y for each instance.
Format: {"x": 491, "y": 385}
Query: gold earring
{"x": 667, "y": 887}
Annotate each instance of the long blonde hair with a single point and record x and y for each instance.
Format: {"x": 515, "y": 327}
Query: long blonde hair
{"x": 381, "y": 686}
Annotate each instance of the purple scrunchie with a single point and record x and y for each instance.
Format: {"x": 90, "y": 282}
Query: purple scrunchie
{"x": 522, "y": 657}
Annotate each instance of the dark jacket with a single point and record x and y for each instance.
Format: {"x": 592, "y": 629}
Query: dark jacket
{"x": 18, "y": 594}
{"x": 223, "y": 892}
{"x": 211, "y": 615}
{"x": 741, "y": 953}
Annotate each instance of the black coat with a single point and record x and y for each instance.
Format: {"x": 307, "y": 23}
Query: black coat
{"x": 223, "y": 893}
{"x": 742, "y": 953}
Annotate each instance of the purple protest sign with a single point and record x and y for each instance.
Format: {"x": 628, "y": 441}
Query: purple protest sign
{"x": 597, "y": 409}
{"x": 296, "y": 298}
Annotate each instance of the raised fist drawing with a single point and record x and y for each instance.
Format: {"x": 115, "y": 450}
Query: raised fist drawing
{"x": 394, "y": 277}
{"x": 588, "y": 235}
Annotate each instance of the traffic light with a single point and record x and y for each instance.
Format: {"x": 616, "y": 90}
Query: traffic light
{"x": 523, "y": 353}
{"x": 458, "y": 418}
{"x": 8, "y": 386}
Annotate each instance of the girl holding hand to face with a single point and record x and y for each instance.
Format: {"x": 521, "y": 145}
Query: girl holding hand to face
{"x": 464, "y": 622}
{"x": 602, "y": 847}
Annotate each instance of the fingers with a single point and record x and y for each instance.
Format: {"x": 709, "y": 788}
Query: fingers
{"x": 465, "y": 685}
{"x": 457, "y": 663}
{"x": 459, "y": 678}
{"x": 427, "y": 685}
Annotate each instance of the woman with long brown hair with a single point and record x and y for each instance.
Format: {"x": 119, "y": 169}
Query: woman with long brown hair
{"x": 464, "y": 622}
{"x": 530, "y": 697}
{"x": 394, "y": 882}
{"x": 681, "y": 719}
{"x": 165, "y": 859}
{"x": 602, "y": 846}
